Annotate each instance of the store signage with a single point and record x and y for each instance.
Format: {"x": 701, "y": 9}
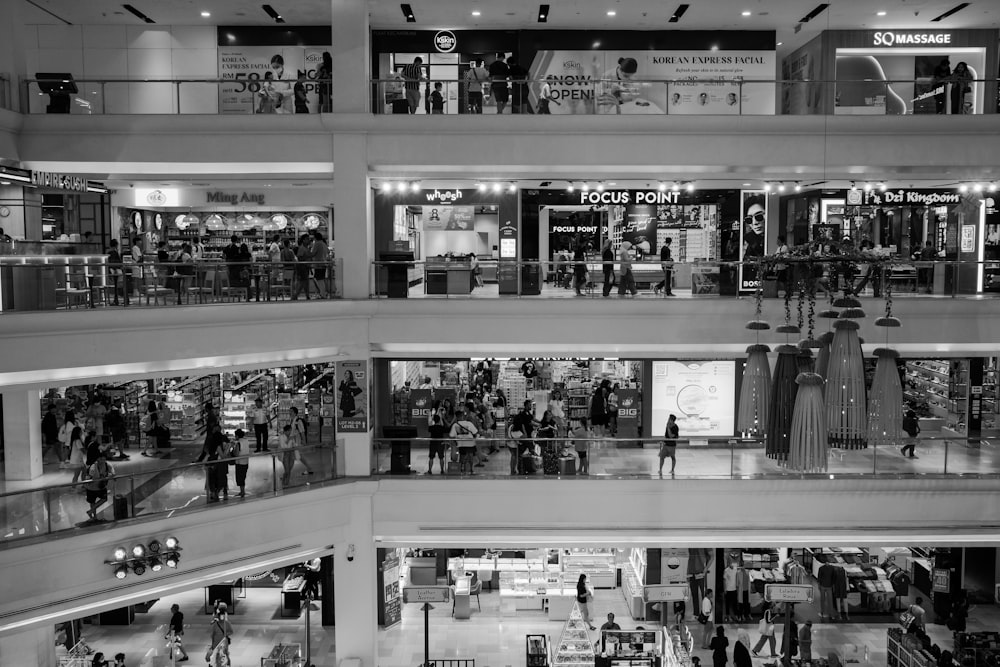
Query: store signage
{"x": 422, "y": 594}
{"x": 941, "y": 580}
{"x": 234, "y": 198}
{"x": 629, "y": 197}
{"x": 854, "y": 197}
{"x": 157, "y": 197}
{"x": 570, "y": 229}
{"x": 47, "y": 179}
{"x": 788, "y": 593}
{"x": 968, "y": 238}
{"x": 910, "y": 38}
{"x": 666, "y": 592}
{"x": 352, "y": 397}
{"x": 421, "y": 405}
{"x": 389, "y": 602}
{"x": 628, "y": 413}
{"x": 917, "y": 197}
{"x": 445, "y": 41}
{"x": 444, "y": 196}
{"x": 753, "y": 232}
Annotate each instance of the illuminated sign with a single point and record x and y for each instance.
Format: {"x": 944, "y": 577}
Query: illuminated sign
{"x": 157, "y": 197}
{"x": 910, "y": 38}
{"x": 445, "y": 41}
{"x": 629, "y": 197}
{"x": 444, "y": 196}
{"x": 234, "y": 198}
{"x": 46, "y": 179}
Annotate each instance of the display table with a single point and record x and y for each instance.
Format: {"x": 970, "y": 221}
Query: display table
{"x": 283, "y": 655}
{"x": 291, "y": 595}
{"x": 423, "y": 571}
{"x": 443, "y": 277}
{"x": 463, "y": 597}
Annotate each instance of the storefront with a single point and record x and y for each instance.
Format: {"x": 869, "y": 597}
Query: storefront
{"x": 892, "y": 72}
{"x": 900, "y": 222}
{"x": 589, "y": 72}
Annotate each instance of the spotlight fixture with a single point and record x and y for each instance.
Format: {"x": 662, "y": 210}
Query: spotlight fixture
{"x": 172, "y": 543}
{"x": 781, "y": 187}
{"x": 977, "y": 187}
{"x": 387, "y": 187}
{"x": 964, "y": 187}
{"x": 269, "y": 10}
{"x": 992, "y": 187}
{"x": 139, "y": 567}
{"x": 401, "y": 187}
{"x": 585, "y": 188}
{"x": 173, "y": 560}
{"x": 882, "y": 187}
{"x": 497, "y": 187}
{"x": 690, "y": 187}
{"x": 480, "y": 186}
{"x": 120, "y": 554}
{"x": 138, "y": 551}
{"x": 512, "y": 187}
{"x": 408, "y": 13}
{"x": 868, "y": 186}
{"x": 662, "y": 187}
{"x": 798, "y": 187}
{"x": 121, "y": 571}
{"x": 155, "y": 564}
{"x": 543, "y": 13}
{"x": 767, "y": 187}
{"x": 674, "y": 187}
{"x": 854, "y": 186}
{"x": 600, "y": 186}
{"x": 415, "y": 186}
{"x": 570, "y": 188}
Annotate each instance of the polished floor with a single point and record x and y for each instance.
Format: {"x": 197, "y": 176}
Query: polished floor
{"x": 492, "y": 639}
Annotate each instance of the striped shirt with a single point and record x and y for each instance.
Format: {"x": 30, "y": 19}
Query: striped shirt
{"x": 413, "y": 73}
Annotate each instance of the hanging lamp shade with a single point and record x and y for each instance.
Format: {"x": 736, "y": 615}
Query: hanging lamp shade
{"x": 245, "y": 221}
{"x": 808, "y": 441}
{"x": 755, "y": 392}
{"x": 312, "y": 221}
{"x": 846, "y": 407}
{"x": 215, "y": 222}
{"x": 885, "y": 402}
{"x": 823, "y": 357}
{"x": 779, "y": 415}
{"x": 186, "y": 220}
{"x": 278, "y": 221}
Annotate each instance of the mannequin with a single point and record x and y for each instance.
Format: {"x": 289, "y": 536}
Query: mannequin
{"x": 826, "y": 576}
{"x": 840, "y": 592}
{"x": 731, "y": 598}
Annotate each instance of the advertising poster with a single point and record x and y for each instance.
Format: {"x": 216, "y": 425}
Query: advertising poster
{"x": 802, "y": 92}
{"x": 264, "y": 78}
{"x": 634, "y": 82}
{"x": 753, "y": 232}
{"x": 420, "y": 410}
{"x": 640, "y": 228}
{"x": 701, "y": 394}
{"x": 449, "y": 218}
{"x": 390, "y": 602}
{"x": 352, "y": 397}
{"x": 628, "y": 413}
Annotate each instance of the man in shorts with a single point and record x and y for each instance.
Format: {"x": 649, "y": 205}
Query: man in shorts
{"x": 413, "y": 74}
{"x": 499, "y": 73}
{"x": 438, "y": 432}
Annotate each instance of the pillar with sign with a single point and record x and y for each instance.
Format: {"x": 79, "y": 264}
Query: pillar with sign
{"x": 789, "y": 595}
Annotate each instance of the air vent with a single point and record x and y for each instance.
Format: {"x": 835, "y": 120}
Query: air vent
{"x": 953, "y": 10}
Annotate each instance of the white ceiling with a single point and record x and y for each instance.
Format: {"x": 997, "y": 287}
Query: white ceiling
{"x": 779, "y": 15}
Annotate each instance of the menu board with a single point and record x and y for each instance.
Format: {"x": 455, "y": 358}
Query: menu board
{"x": 701, "y": 394}
{"x": 390, "y": 603}
{"x": 447, "y": 218}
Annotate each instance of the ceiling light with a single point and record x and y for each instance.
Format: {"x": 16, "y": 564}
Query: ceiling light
{"x": 172, "y": 560}
{"x": 121, "y": 572}
{"x": 401, "y": 187}
{"x": 882, "y": 187}
{"x": 570, "y": 188}
{"x": 781, "y": 187}
{"x": 662, "y": 187}
{"x": 868, "y": 186}
{"x": 138, "y": 551}
{"x": 172, "y": 542}
{"x": 854, "y": 186}
{"x": 155, "y": 565}
{"x": 600, "y": 186}
{"x": 585, "y": 188}
{"x": 408, "y": 13}
{"x": 746, "y": 12}
{"x": 963, "y": 188}
{"x": 690, "y": 187}
{"x": 415, "y": 186}
{"x": 881, "y": 13}
{"x": 780, "y": 43}
{"x": 612, "y": 12}
{"x": 269, "y": 10}
{"x": 992, "y": 187}
{"x": 497, "y": 187}
{"x": 120, "y": 553}
{"x": 512, "y": 187}
{"x": 798, "y": 187}
{"x": 205, "y": 15}
{"x": 476, "y": 12}
{"x": 387, "y": 187}
{"x": 4, "y": 182}
{"x": 674, "y": 187}
{"x": 597, "y": 45}
{"x": 543, "y": 13}
{"x": 767, "y": 187}
{"x": 977, "y": 187}
{"x": 481, "y": 186}
{"x": 715, "y": 47}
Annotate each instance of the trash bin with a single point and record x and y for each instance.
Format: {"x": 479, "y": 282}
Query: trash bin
{"x": 398, "y": 275}
{"x": 120, "y": 506}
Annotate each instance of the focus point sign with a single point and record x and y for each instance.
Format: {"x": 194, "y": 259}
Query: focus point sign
{"x": 788, "y": 593}
{"x": 426, "y": 594}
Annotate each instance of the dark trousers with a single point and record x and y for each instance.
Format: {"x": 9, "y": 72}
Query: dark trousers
{"x": 609, "y": 279}
{"x": 668, "y": 277}
{"x": 475, "y": 102}
{"x": 260, "y": 434}
{"x": 732, "y": 606}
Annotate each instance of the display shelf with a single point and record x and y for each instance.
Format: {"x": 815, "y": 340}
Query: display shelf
{"x": 575, "y": 647}
{"x": 633, "y": 576}
{"x": 187, "y": 401}
{"x": 903, "y": 650}
{"x": 597, "y": 564}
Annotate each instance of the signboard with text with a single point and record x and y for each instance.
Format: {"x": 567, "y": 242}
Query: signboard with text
{"x": 352, "y": 397}
{"x": 628, "y": 413}
{"x": 788, "y": 593}
{"x": 421, "y": 594}
{"x": 666, "y": 592}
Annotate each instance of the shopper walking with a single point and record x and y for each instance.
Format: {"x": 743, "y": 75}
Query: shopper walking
{"x": 499, "y": 73}
{"x": 239, "y": 450}
{"x": 437, "y": 443}
{"x": 325, "y": 77}
{"x": 626, "y": 282}
{"x": 216, "y": 473}
{"x": 319, "y": 255}
{"x": 806, "y": 642}
{"x": 545, "y": 96}
{"x": 150, "y": 427}
{"x": 77, "y": 453}
{"x": 222, "y": 631}
{"x": 261, "y": 418}
{"x": 584, "y": 596}
{"x": 766, "y": 629}
{"x": 599, "y": 411}
{"x": 50, "y": 432}
{"x": 667, "y": 266}
{"x": 911, "y": 426}
{"x": 580, "y": 268}
{"x": 65, "y": 437}
{"x": 474, "y": 79}
{"x": 464, "y": 432}
{"x": 521, "y": 429}
{"x": 706, "y": 617}
{"x": 99, "y": 476}
{"x": 114, "y": 423}
{"x": 668, "y": 447}
{"x": 581, "y": 442}
{"x": 741, "y": 650}
{"x": 719, "y": 644}
{"x": 176, "y": 629}
{"x": 413, "y": 74}
{"x": 287, "y": 441}
{"x": 608, "y": 266}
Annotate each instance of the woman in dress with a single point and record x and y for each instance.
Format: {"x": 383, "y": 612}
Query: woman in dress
{"x": 348, "y": 390}
{"x": 584, "y": 596}
{"x": 718, "y": 645}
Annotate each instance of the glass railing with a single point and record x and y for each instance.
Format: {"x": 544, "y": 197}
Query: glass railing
{"x": 686, "y": 97}
{"x": 582, "y": 96}
{"x": 67, "y": 282}
{"x": 151, "y": 493}
{"x": 457, "y": 278}
{"x": 166, "y": 96}
{"x": 695, "y": 458}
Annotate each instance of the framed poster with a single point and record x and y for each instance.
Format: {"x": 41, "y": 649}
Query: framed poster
{"x": 352, "y": 396}
{"x": 753, "y": 232}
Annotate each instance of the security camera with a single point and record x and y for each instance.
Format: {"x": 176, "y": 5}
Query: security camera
{"x": 350, "y": 553}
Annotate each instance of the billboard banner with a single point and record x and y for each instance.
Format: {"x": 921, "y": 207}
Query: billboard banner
{"x": 701, "y": 394}
{"x": 628, "y": 413}
{"x": 268, "y": 79}
{"x": 753, "y": 231}
{"x": 352, "y": 396}
{"x": 633, "y": 82}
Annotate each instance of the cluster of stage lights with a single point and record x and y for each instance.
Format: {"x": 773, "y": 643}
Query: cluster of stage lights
{"x": 142, "y": 557}
{"x": 600, "y": 186}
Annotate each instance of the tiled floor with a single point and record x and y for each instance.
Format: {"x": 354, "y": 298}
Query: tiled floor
{"x": 493, "y": 640}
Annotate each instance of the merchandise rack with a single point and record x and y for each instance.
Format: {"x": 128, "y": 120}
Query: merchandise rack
{"x": 906, "y": 650}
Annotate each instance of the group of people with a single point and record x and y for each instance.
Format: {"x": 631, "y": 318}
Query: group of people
{"x": 504, "y": 80}
{"x": 278, "y": 95}
{"x": 301, "y": 268}
{"x": 960, "y": 79}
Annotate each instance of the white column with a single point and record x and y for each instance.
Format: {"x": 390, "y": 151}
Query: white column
{"x": 351, "y": 56}
{"x": 36, "y": 646}
{"x": 352, "y": 228}
{"x": 354, "y": 589}
{"x": 22, "y": 434}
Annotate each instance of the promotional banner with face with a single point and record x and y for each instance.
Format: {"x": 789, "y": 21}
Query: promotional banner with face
{"x": 450, "y": 218}
{"x": 753, "y": 231}
{"x": 352, "y": 397}
{"x": 269, "y": 79}
{"x": 633, "y": 82}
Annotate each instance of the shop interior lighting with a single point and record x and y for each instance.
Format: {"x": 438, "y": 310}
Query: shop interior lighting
{"x": 798, "y": 187}
{"x": 612, "y": 12}
{"x": 543, "y": 13}
{"x": 408, "y": 13}
{"x": 600, "y": 186}
{"x": 882, "y": 187}
{"x": 480, "y": 186}
{"x": 767, "y": 187}
{"x": 992, "y": 187}
{"x": 977, "y": 187}
{"x": 868, "y": 186}
{"x": 476, "y": 12}
{"x": 675, "y": 187}
{"x": 144, "y": 557}
{"x": 584, "y": 188}
{"x": 662, "y": 187}
{"x": 387, "y": 187}
{"x": 854, "y": 186}
{"x": 512, "y": 187}
{"x": 690, "y": 187}
{"x": 401, "y": 187}
{"x": 570, "y": 188}
{"x": 415, "y": 186}
{"x": 963, "y": 188}
{"x": 781, "y": 187}
{"x": 497, "y": 187}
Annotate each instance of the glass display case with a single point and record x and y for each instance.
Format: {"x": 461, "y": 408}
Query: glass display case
{"x": 633, "y": 575}
{"x": 537, "y": 650}
{"x": 597, "y": 564}
{"x": 575, "y": 647}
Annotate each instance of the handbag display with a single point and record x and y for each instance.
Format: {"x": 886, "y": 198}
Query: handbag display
{"x": 906, "y": 619}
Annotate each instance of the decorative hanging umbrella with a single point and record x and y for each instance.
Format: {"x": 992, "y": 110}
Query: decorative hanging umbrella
{"x": 185, "y": 220}
{"x": 215, "y": 222}
{"x": 808, "y": 444}
{"x": 783, "y": 390}
{"x": 885, "y": 402}
{"x": 755, "y": 392}
{"x": 845, "y": 388}
{"x": 823, "y": 357}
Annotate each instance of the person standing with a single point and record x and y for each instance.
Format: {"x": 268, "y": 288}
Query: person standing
{"x": 114, "y": 268}
{"x": 474, "y": 79}
{"x": 77, "y": 454}
{"x": 668, "y": 448}
{"x": 667, "y": 265}
{"x": 610, "y": 624}
{"x": 581, "y": 442}
{"x": 437, "y": 432}
{"x": 545, "y": 96}
{"x": 766, "y": 628}
{"x": 781, "y": 269}
{"x": 911, "y": 426}
{"x": 319, "y": 255}
{"x": 437, "y": 99}
{"x": 96, "y": 487}
{"x": 239, "y": 451}
{"x": 918, "y": 615}
{"x": 627, "y": 280}
{"x": 222, "y": 630}
{"x": 584, "y": 596}
{"x": 730, "y": 599}
{"x": 718, "y": 645}
{"x": 520, "y": 102}
{"x": 50, "y": 431}
{"x": 706, "y": 611}
{"x": 942, "y": 75}
{"x": 303, "y": 258}
{"x": 176, "y": 631}
{"x": 806, "y": 642}
{"x": 608, "y": 266}
{"x": 580, "y": 268}
{"x": 741, "y": 650}
{"x": 464, "y": 432}
{"x": 65, "y": 437}
{"x": 287, "y": 442}
{"x": 521, "y": 429}
{"x": 413, "y": 74}
{"x": 599, "y": 410}
{"x": 325, "y": 77}
{"x": 216, "y": 473}
{"x": 499, "y": 73}
{"x": 927, "y": 255}
{"x": 961, "y": 84}
{"x": 261, "y": 417}
{"x": 231, "y": 255}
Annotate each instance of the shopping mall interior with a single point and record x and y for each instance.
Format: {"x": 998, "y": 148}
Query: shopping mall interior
{"x": 706, "y": 369}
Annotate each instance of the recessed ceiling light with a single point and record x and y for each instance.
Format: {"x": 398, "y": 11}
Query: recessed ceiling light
{"x": 476, "y": 12}
{"x": 882, "y": 13}
{"x": 780, "y": 43}
{"x": 205, "y": 15}
{"x": 612, "y": 12}
{"x": 746, "y": 185}
{"x": 746, "y": 12}
{"x": 715, "y": 47}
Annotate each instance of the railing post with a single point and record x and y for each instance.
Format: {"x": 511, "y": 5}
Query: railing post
{"x": 177, "y": 95}
{"x": 274, "y": 474}
{"x": 875, "y": 459}
{"x": 48, "y": 511}
{"x": 131, "y": 496}
{"x": 947, "y": 446}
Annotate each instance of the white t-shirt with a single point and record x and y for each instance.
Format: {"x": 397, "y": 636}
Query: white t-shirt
{"x": 706, "y": 606}
{"x": 729, "y": 577}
